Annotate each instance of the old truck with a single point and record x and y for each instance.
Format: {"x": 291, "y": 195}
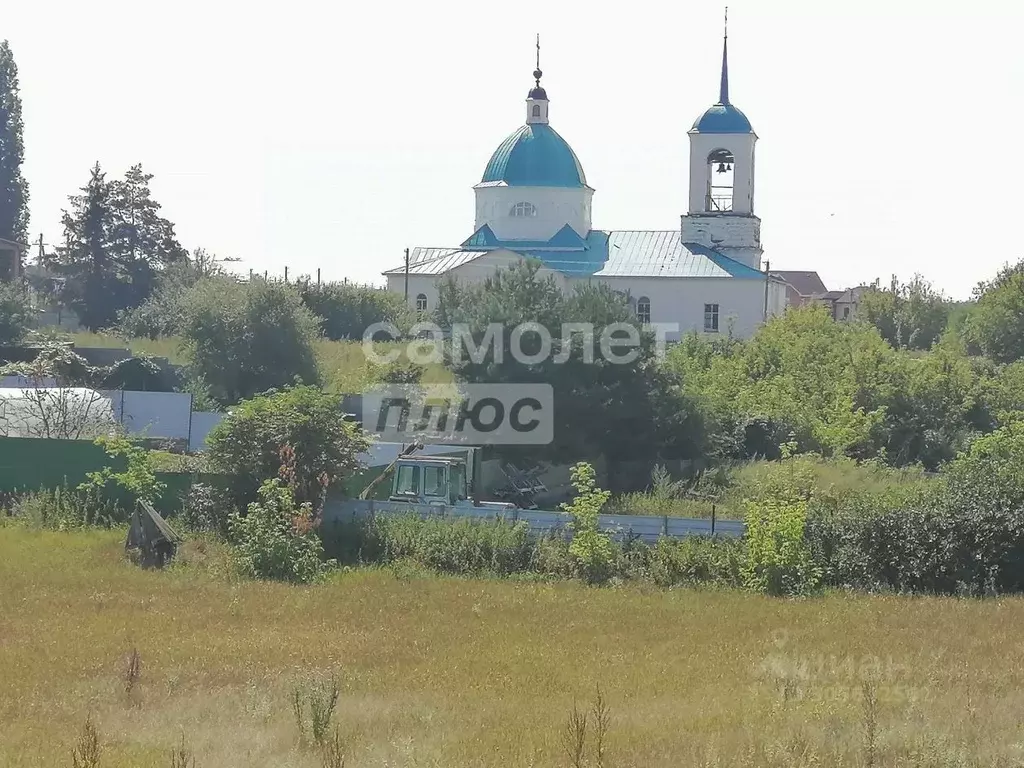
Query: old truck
{"x": 444, "y": 486}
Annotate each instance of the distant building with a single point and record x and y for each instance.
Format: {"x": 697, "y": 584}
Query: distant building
{"x": 803, "y": 288}
{"x": 533, "y": 200}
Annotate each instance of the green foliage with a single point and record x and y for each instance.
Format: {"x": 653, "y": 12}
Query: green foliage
{"x": 66, "y": 509}
{"x": 641, "y": 412}
{"x": 995, "y": 325}
{"x": 449, "y": 546}
{"x": 246, "y": 338}
{"x": 116, "y": 245}
{"x": 837, "y": 389}
{"x": 277, "y": 540}
{"x": 348, "y": 310}
{"x": 163, "y": 312}
{"x": 696, "y": 560}
{"x": 962, "y": 535}
{"x": 1001, "y": 393}
{"x": 138, "y": 478}
{"x": 16, "y": 317}
{"x": 301, "y": 430}
{"x": 592, "y": 549}
{"x": 501, "y": 548}
{"x": 778, "y": 560}
{"x": 909, "y": 316}
{"x": 13, "y": 186}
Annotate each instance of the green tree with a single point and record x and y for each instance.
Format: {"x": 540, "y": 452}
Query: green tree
{"x": 347, "y": 309}
{"x": 909, "y": 315}
{"x": 13, "y": 187}
{"x": 162, "y": 314}
{"x": 995, "y": 325}
{"x": 84, "y": 260}
{"x": 115, "y": 246}
{"x": 246, "y": 338}
{"x": 592, "y": 550}
{"x": 299, "y": 434}
{"x": 16, "y": 317}
{"x": 621, "y": 409}
{"x": 142, "y": 242}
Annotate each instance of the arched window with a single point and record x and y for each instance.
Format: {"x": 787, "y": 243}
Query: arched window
{"x": 421, "y": 302}
{"x": 536, "y": 110}
{"x": 643, "y": 310}
{"x": 523, "y": 210}
{"x": 720, "y": 178}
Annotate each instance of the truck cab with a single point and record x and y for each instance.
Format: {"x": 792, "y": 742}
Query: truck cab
{"x": 430, "y": 480}
{"x": 437, "y": 481}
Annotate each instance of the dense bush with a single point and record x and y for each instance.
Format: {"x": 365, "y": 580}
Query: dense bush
{"x": 300, "y": 430}
{"x": 964, "y": 535}
{"x": 277, "y": 540}
{"x": 347, "y": 309}
{"x": 246, "y": 338}
{"x": 503, "y": 549}
{"x": 778, "y": 560}
{"x": 16, "y": 318}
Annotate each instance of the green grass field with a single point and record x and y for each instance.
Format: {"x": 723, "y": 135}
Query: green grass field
{"x": 344, "y": 366}
{"x": 458, "y": 672}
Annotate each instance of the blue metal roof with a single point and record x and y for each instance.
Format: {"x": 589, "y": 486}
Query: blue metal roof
{"x": 608, "y": 254}
{"x": 723, "y": 118}
{"x": 566, "y": 237}
{"x": 535, "y": 156}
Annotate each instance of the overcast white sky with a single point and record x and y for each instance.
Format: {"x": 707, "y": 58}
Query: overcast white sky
{"x": 333, "y": 136}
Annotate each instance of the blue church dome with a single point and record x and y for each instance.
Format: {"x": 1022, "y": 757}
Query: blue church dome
{"x": 535, "y": 156}
{"x": 723, "y": 118}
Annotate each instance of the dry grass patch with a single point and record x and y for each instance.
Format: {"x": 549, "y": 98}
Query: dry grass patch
{"x": 459, "y": 672}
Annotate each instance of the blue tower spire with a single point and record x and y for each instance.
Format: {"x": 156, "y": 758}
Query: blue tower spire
{"x": 723, "y": 93}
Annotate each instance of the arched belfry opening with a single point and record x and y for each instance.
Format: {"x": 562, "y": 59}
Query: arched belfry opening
{"x": 721, "y": 182}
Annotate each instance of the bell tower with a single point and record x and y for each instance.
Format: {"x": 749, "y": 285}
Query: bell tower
{"x": 720, "y": 213}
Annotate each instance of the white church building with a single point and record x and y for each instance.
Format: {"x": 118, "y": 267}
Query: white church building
{"x": 533, "y": 201}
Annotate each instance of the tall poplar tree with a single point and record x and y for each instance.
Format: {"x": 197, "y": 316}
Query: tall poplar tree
{"x": 13, "y": 187}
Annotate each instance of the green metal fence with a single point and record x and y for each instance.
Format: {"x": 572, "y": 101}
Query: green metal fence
{"x": 30, "y": 464}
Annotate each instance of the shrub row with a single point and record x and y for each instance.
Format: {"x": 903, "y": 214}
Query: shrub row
{"x": 504, "y": 549}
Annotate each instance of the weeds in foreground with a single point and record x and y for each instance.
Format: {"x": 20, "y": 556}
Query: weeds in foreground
{"x": 574, "y": 738}
{"x": 870, "y": 700}
{"x": 132, "y": 672}
{"x": 332, "y": 753}
{"x": 578, "y": 724}
{"x": 182, "y": 757}
{"x": 86, "y": 753}
{"x": 320, "y": 699}
{"x": 602, "y": 720}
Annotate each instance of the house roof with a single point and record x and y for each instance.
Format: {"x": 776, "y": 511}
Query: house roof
{"x": 621, "y": 253}
{"x": 804, "y": 283}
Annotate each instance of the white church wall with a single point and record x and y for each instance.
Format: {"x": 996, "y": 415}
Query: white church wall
{"x": 681, "y": 301}
{"x": 734, "y": 236}
{"x": 555, "y": 206}
{"x": 473, "y": 272}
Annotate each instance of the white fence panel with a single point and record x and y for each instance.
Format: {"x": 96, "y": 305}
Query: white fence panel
{"x": 153, "y": 414}
{"x": 203, "y": 423}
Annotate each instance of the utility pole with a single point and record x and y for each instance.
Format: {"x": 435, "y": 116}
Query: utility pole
{"x": 767, "y": 280}
{"x": 406, "y": 275}
{"x": 318, "y": 277}
{"x": 286, "y": 273}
